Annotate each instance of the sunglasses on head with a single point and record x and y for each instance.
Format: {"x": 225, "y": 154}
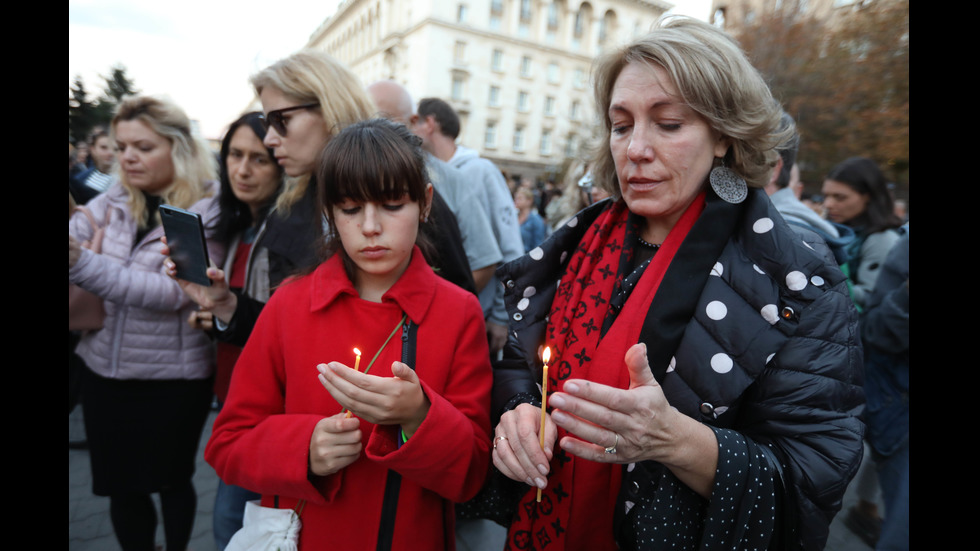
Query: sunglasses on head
{"x": 275, "y": 118}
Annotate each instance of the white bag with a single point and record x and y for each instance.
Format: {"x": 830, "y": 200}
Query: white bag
{"x": 267, "y": 529}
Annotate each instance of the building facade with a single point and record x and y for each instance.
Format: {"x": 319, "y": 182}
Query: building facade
{"x": 516, "y": 71}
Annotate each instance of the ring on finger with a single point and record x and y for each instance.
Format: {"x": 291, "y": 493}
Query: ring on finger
{"x": 612, "y": 449}
{"x": 497, "y": 439}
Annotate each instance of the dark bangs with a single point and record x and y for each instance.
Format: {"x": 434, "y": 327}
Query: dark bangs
{"x": 372, "y": 161}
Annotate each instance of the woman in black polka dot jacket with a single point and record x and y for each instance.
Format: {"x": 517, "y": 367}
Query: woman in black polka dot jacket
{"x": 704, "y": 385}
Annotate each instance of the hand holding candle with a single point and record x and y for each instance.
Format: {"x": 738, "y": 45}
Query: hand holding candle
{"x": 544, "y": 400}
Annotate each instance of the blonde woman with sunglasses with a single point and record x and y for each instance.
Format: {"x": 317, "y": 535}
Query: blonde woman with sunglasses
{"x": 307, "y": 98}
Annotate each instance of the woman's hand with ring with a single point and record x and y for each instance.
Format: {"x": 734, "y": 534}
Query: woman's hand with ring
{"x": 517, "y": 449}
{"x": 613, "y": 425}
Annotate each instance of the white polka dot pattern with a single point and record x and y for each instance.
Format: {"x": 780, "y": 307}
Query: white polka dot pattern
{"x": 796, "y": 281}
{"x": 762, "y": 225}
{"x": 716, "y": 310}
{"x": 770, "y": 313}
{"x": 722, "y": 363}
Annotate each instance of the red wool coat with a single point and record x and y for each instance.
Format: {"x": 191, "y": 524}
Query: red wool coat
{"x": 262, "y": 436}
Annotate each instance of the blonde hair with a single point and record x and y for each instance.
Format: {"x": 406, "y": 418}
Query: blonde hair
{"x": 310, "y": 76}
{"x": 715, "y": 79}
{"x": 194, "y": 165}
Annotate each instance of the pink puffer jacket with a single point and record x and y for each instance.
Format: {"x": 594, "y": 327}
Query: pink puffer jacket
{"x": 146, "y": 335}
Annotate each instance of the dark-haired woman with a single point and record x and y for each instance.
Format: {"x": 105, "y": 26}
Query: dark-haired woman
{"x": 263, "y": 249}
{"x": 418, "y": 438}
{"x": 856, "y": 195}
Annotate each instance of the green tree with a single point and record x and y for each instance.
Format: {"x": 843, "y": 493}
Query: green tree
{"x": 82, "y": 112}
{"x": 85, "y": 114}
{"x": 118, "y": 85}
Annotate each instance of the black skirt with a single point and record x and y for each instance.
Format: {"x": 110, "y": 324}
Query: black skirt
{"x": 143, "y": 434}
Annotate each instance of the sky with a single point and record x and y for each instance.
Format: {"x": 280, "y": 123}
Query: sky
{"x": 200, "y": 53}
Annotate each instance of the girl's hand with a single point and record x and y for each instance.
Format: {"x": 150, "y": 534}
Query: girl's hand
{"x": 217, "y": 299}
{"x": 397, "y": 400}
{"x": 74, "y": 251}
{"x": 517, "y": 449}
{"x": 335, "y": 443}
{"x": 613, "y": 425}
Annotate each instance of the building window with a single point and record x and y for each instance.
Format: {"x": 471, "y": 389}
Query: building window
{"x": 457, "y": 90}
{"x": 523, "y": 101}
{"x": 545, "y": 148}
{"x": 461, "y": 13}
{"x": 519, "y": 139}
{"x": 496, "y": 14}
{"x": 579, "y": 79}
{"x": 526, "y": 10}
{"x": 553, "y": 73}
{"x": 575, "y": 111}
{"x": 551, "y": 33}
{"x": 526, "y": 66}
{"x": 495, "y": 96}
{"x": 497, "y": 60}
{"x": 459, "y": 52}
{"x": 490, "y": 136}
{"x": 570, "y": 146}
{"x": 549, "y": 106}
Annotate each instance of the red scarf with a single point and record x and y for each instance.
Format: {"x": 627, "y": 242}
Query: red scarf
{"x": 576, "y": 509}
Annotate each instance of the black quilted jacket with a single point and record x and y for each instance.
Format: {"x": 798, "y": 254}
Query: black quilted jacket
{"x": 782, "y": 366}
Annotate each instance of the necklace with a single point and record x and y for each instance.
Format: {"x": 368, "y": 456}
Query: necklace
{"x": 648, "y": 244}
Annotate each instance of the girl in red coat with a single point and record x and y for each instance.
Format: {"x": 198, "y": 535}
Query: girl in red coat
{"x": 417, "y": 438}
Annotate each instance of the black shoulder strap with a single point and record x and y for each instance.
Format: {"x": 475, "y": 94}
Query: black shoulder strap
{"x": 386, "y": 528}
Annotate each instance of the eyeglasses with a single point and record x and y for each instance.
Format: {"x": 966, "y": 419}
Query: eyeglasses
{"x": 275, "y": 118}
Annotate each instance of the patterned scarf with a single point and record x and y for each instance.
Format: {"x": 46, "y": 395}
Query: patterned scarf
{"x": 576, "y": 509}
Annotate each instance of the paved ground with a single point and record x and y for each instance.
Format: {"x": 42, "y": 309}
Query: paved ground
{"x": 89, "y": 528}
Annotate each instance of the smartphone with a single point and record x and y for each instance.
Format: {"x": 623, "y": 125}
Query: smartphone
{"x": 188, "y": 249}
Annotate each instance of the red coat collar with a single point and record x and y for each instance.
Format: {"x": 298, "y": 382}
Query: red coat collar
{"x": 413, "y": 292}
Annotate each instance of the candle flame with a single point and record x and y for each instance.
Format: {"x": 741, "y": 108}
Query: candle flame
{"x": 547, "y": 355}
{"x": 358, "y": 352}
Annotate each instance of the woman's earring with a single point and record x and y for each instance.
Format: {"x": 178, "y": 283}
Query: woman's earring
{"x": 728, "y": 185}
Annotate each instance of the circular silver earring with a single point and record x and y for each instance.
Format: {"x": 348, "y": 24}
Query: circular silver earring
{"x": 728, "y": 185}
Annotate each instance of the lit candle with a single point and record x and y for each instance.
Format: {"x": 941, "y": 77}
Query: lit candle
{"x": 544, "y": 400}
{"x": 357, "y": 367}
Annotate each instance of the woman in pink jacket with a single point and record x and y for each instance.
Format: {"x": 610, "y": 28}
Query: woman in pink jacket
{"x": 148, "y": 386}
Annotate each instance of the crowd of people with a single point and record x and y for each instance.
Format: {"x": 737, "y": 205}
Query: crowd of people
{"x": 662, "y": 350}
